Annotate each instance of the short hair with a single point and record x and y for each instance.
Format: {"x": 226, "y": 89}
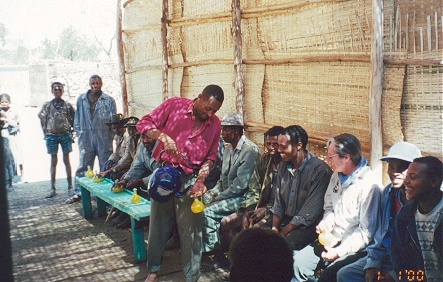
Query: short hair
{"x": 56, "y": 83}
{"x": 434, "y": 167}
{"x": 274, "y": 131}
{"x": 95, "y": 77}
{"x": 214, "y": 91}
{"x": 258, "y": 254}
{"x": 5, "y": 96}
{"x": 296, "y": 134}
{"x": 347, "y": 144}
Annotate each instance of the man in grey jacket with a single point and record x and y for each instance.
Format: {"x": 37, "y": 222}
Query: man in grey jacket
{"x": 239, "y": 159}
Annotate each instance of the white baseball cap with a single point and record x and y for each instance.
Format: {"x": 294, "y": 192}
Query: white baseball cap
{"x": 403, "y": 151}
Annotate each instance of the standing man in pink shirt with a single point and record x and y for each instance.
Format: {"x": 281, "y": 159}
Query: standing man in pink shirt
{"x": 186, "y": 129}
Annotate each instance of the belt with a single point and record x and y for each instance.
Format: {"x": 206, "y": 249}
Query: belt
{"x": 53, "y": 133}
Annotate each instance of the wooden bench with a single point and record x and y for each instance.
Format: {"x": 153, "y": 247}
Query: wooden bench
{"x": 121, "y": 201}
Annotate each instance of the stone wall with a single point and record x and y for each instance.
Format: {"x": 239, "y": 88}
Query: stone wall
{"x": 31, "y": 85}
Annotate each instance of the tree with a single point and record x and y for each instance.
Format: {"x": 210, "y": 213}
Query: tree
{"x": 71, "y": 46}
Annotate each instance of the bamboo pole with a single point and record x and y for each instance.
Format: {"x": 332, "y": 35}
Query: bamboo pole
{"x": 164, "y": 34}
{"x": 309, "y": 59}
{"x": 254, "y": 12}
{"x": 314, "y": 137}
{"x": 238, "y": 67}
{"x": 141, "y": 28}
{"x": 317, "y": 59}
{"x": 121, "y": 58}
{"x": 413, "y": 62}
{"x": 126, "y": 3}
{"x": 376, "y": 88}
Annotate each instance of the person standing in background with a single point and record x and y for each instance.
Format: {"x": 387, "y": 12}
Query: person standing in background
{"x": 8, "y": 159}
{"x": 57, "y": 119}
{"x": 12, "y": 124}
{"x": 94, "y": 109}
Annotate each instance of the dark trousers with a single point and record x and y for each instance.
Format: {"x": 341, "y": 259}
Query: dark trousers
{"x": 298, "y": 238}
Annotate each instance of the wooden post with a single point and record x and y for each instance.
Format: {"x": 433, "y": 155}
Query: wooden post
{"x": 237, "y": 42}
{"x": 376, "y": 87}
{"x": 121, "y": 58}
{"x": 164, "y": 33}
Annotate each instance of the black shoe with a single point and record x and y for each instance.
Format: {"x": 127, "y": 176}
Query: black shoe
{"x": 51, "y": 195}
{"x": 125, "y": 224}
{"x": 141, "y": 223}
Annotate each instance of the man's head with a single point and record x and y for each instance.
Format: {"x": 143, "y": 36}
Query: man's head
{"x": 291, "y": 142}
{"x": 95, "y": 82}
{"x": 148, "y": 142}
{"x": 57, "y": 89}
{"x": 117, "y": 123}
{"x": 131, "y": 126}
{"x": 208, "y": 102}
{"x": 399, "y": 157}
{"x": 424, "y": 178}
{"x": 232, "y": 128}
{"x": 258, "y": 254}
{"x": 344, "y": 152}
{"x": 271, "y": 139}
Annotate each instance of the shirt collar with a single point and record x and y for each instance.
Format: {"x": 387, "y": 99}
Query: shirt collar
{"x": 239, "y": 144}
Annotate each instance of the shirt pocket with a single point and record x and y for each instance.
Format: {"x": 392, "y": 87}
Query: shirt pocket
{"x": 197, "y": 149}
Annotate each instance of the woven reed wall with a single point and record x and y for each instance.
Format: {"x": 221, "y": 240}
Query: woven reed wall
{"x": 413, "y": 29}
{"x": 303, "y": 63}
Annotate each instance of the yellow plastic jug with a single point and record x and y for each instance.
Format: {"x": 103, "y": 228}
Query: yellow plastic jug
{"x": 89, "y": 173}
{"x": 197, "y": 206}
{"x": 135, "y": 197}
{"x": 96, "y": 178}
{"x": 117, "y": 188}
{"x": 326, "y": 238}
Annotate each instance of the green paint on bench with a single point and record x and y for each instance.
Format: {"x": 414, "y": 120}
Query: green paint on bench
{"x": 121, "y": 201}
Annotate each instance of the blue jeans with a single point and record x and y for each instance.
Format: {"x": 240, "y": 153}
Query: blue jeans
{"x": 355, "y": 271}
{"x": 306, "y": 262}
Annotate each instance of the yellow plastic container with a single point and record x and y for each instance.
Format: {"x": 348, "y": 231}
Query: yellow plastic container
{"x": 96, "y": 178}
{"x": 89, "y": 173}
{"x": 135, "y": 197}
{"x": 326, "y": 238}
{"x": 117, "y": 188}
{"x": 197, "y": 206}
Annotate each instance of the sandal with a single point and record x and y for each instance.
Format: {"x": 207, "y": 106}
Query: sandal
{"x": 73, "y": 199}
{"x": 51, "y": 195}
{"x": 206, "y": 267}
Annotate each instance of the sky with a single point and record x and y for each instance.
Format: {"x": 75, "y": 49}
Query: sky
{"x": 34, "y": 20}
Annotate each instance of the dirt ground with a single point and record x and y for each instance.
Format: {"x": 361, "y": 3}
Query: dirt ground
{"x": 51, "y": 241}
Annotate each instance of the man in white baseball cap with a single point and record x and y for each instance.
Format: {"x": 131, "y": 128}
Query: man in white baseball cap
{"x": 378, "y": 260}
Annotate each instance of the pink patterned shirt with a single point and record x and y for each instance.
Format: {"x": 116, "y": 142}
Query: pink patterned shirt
{"x": 174, "y": 117}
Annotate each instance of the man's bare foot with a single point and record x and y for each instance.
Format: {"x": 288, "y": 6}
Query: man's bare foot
{"x": 152, "y": 277}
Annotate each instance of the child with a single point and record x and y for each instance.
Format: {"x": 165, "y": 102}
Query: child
{"x": 12, "y": 133}
{"x": 56, "y": 119}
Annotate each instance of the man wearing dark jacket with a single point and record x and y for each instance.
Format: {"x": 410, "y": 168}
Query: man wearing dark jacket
{"x": 417, "y": 243}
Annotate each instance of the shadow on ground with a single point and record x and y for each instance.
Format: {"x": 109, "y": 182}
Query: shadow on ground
{"x": 51, "y": 241}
